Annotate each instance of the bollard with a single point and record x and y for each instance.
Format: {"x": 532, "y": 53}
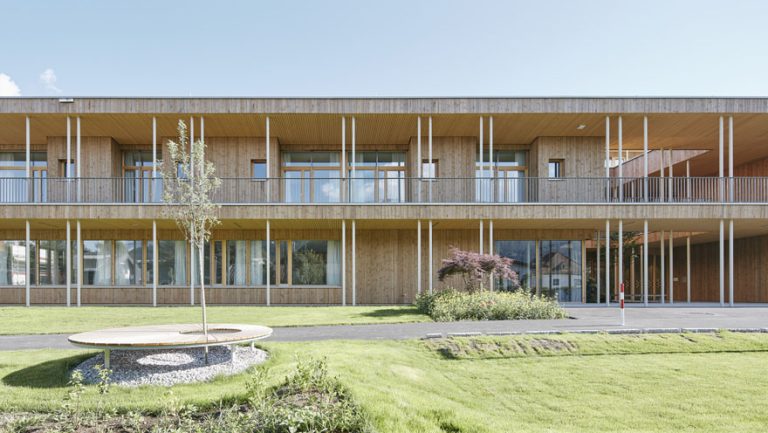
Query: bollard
{"x": 621, "y": 302}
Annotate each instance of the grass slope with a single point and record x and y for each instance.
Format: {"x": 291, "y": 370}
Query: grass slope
{"x": 55, "y": 320}
{"x": 594, "y": 383}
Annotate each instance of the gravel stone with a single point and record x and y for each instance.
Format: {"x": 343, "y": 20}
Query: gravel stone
{"x": 165, "y": 367}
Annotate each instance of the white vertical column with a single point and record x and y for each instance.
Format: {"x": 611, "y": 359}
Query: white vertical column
{"x": 193, "y": 254}
{"x": 434, "y": 174}
{"x": 721, "y": 171}
{"x": 722, "y": 263}
{"x": 27, "y": 259}
{"x": 663, "y": 264}
{"x": 490, "y": 147}
{"x": 688, "y": 267}
{"x": 155, "y": 267}
{"x": 597, "y": 253}
{"x": 490, "y": 247}
{"x": 269, "y": 263}
{"x": 343, "y": 261}
{"x": 344, "y": 185}
{"x": 430, "y": 257}
{"x": 79, "y": 264}
{"x": 155, "y": 192}
{"x": 607, "y": 261}
{"x": 730, "y": 159}
{"x": 671, "y": 267}
{"x": 191, "y": 142}
{"x": 645, "y": 262}
{"x": 671, "y": 173}
{"x": 419, "y": 161}
{"x": 67, "y": 168}
{"x": 481, "y": 236}
{"x": 688, "y": 180}
{"x": 69, "y": 264}
{"x": 28, "y": 164}
{"x": 77, "y": 161}
{"x": 645, "y": 163}
{"x": 482, "y": 157}
{"x": 621, "y": 252}
{"x": 662, "y": 183}
{"x": 730, "y": 263}
{"x": 621, "y": 168}
{"x": 269, "y": 163}
{"x": 354, "y": 148}
{"x": 354, "y": 245}
{"x": 418, "y": 257}
{"x": 607, "y": 146}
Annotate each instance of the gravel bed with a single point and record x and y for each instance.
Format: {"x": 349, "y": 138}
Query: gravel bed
{"x": 167, "y": 367}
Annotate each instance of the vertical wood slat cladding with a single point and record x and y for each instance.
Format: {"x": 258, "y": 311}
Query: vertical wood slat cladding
{"x": 581, "y": 156}
{"x": 12, "y": 295}
{"x": 750, "y": 258}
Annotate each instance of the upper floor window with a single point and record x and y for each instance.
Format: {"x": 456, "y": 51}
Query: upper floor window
{"x": 429, "y": 169}
{"x": 137, "y": 171}
{"x": 258, "y": 169}
{"x": 377, "y": 177}
{"x": 555, "y": 168}
{"x": 13, "y": 165}
{"x": 67, "y": 170}
{"x": 311, "y": 177}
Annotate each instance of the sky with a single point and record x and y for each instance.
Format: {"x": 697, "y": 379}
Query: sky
{"x": 384, "y": 48}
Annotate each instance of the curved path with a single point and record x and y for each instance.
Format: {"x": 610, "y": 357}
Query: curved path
{"x": 583, "y": 319}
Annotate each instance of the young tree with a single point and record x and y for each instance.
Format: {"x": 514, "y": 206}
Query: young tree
{"x": 475, "y": 267}
{"x": 188, "y": 183}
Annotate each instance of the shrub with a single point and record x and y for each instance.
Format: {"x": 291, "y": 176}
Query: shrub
{"x": 449, "y": 305}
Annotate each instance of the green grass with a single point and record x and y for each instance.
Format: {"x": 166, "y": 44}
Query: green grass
{"x": 62, "y": 320}
{"x": 599, "y": 383}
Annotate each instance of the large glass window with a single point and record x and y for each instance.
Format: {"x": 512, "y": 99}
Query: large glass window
{"x": 561, "y": 270}
{"x": 259, "y": 263}
{"x": 212, "y": 260}
{"x": 14, "y": 186}
{"x": 171, "y": 263}
{"x": 129, "y": 263}
{"x": 378, "y": 177}
{"x": 316, "y": 263}
{"x": 137, "y": 173}
{"x": 523, "y": 255}
{"x": 97, "y": 263}
{"x": 311, "y": 177}
{"x": 236, "y": 263}
{"x": 13, "y": 271}
{"x": 52, "y": 262}
{"x": 504, "y": 179}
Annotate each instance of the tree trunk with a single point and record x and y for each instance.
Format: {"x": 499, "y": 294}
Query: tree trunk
{"x": 202, "y": 294}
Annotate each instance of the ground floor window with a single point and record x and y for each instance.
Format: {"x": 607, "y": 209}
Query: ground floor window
{"x": 555, "y": 270}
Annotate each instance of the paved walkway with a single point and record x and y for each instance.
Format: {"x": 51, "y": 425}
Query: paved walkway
{"x": 583, "y": 318}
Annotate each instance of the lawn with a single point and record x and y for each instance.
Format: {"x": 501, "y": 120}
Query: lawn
{"x": 62, "y": 320}
{"x": 567, "y": 383}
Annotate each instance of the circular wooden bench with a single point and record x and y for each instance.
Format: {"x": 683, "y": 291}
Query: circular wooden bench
{"x": 180, "y": 336}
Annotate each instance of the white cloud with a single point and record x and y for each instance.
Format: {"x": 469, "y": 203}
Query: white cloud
{"x": 8, "y": 87}
{"x": 48, "y": 78}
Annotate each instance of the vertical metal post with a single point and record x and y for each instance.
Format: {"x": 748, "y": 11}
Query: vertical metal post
{"x": 481, "y": 181}
{"x": 481, "y": 236}
{"x": 621, "y": 167}
{"x": 721, "y": 171}
{"x": 662, "y": 183}
{"x": 645, "y": 262}
{"x": 645, "y": 161}
{"x": 418, "y": 257}
{"x": 28, "y": 164}
{"x": 663, "y": 269}
{"x": 69, "y": 264}
{"x": 419, "y": 164}
{"x": 671, "y": 173}
{"x": 155, "y": 192}
{"x": 269, "y": 164}
{"x": 688, "y": 180}
{"x": 722, "y": 263}
{"x": 688, "y": 267}
{"x": 730, "y": 263}
{"x": 354, "y": 246}
{"x": 354, "y": 147}
{"x": 730, "y": 160}
{"x": 607, "y": 172}
{"x": 597, "y": 253}
{"x": 27, "y": 259}
{"x": 621, "y": 253}
{"x": 343, "y": 262}
{"x": 490, "y": 248}
{"x": 344, "y": 186}
{"x": 490, "y": 158}
{"x": 269, "y": 263}
{"x": 155, "y": 267}
{"x": 191, "y": 143}
{"x": 79, "y": 261}
{"x": 607, "y": 262}
{"x": 434, "y": 175}
{"x": 430, "y": 257}
{"x": 193, "y": 254}
{"x": 78, "y": 161}
{"x": 671, "y": 267}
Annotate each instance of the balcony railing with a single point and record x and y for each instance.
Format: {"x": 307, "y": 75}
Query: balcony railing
{"x": 679, "y": 190}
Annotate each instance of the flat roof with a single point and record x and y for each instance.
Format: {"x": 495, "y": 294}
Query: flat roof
{"x": 382, "y": 105}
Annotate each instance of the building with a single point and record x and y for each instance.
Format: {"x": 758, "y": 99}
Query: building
{"x": 357, "y": 200}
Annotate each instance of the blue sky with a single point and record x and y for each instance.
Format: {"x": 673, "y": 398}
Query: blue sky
{"x": 384, "y": 48}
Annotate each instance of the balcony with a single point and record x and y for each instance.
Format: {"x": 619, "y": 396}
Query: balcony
{"x": 394, "y": 191}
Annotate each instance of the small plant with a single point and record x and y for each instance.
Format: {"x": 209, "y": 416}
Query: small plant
{"x": 71, "y": 403}
{"x": 475, "y": 268}
{"x": 105, "y": 376}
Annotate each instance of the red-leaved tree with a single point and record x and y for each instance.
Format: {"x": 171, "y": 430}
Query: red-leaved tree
{"x": 474, "y": 268}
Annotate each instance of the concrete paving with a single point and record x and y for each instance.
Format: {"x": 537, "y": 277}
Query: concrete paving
{"x": 582, "y": 319}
